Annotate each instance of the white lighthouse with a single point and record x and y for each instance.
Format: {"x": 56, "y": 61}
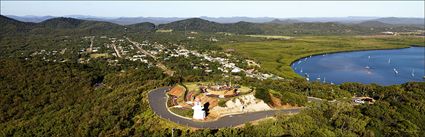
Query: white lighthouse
{"x": 198, "y": 112}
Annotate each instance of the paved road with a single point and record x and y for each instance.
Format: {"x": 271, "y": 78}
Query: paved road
{"x": 140, "y": 48}
{"x": 159, "y": 64}
{"x": 314, "y": 99}
{"x": 116, "y": 50}
{"x": 158, "y": 100}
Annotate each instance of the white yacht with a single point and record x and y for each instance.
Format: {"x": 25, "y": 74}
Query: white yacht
{"x": 395, "y": 71}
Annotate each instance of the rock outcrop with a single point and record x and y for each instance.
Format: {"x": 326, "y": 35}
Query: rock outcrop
{"x": 242, "y": 104}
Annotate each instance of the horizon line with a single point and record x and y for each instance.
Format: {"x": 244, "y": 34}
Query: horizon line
{"x": 211, "y": 16}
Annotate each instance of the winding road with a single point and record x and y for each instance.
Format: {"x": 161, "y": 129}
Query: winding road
{"x": 158, "y": 100}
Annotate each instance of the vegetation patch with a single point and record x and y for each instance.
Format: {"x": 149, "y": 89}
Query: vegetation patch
{"x": 102, "y": 55}
{"x": 185, "y": 112}
{"x": 222, "y": 102}
{"x": 263, "y": 94}
{"x": 164, "y": 30}
{"x": 270, "y": 36}
{"x": 290, "y": 98}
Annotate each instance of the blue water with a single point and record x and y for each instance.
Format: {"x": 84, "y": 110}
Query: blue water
{"x": 375, "y": 66}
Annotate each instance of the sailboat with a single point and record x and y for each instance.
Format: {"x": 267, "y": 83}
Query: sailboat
{"x": 413, "y": 73}
{"x": 395, "y": 71}
{"x": 389, "y": 60}
{"x": 301, "y": 70}
{"x": 306, "y": 75}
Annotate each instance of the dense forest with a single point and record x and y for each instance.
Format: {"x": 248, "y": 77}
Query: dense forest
{"x": 46, "y": 99}
{"x": 60, "y": 95}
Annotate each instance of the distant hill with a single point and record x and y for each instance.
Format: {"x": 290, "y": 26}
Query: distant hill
{"x": 286, "y": 21}
{"x": 193, "y": 24}
{"x": 239, "y": 19}
{"x": 318, "y": 28}
{"x": 12, "y": 26}
{"x": 120, "y": 20}
{"x": 165, "y": 20}
{"x": 59, "y": 25}
{"x": 344, "y": 20}
{"x": 197, "y": 24}
{"x": 4, "y": 21}
{"x": 402, "y": 21}
{"x": 377, "y": 26}
{"x": 34, "y": 19}
{"x": 135, "y": 20}
{"x": 71, "y": 23}
{"x": 374, "y": 24}
{"x": 64, "y": 25}
{"x": 141, "y": 27}
{"x": 245, "y": 28}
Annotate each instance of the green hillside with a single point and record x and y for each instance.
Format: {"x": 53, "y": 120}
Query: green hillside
{"x": 10, "y": 26}
{"x": 289, "y": 27}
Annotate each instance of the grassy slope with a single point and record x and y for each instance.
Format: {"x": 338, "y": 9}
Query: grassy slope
{"x": 277, "y": 56}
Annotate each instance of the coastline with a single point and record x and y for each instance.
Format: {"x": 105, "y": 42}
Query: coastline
{"x": 354, "y": 51}
{"x": 346, "y": 51}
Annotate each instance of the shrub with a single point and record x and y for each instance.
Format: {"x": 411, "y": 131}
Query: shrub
{"x": 263, "y": 94}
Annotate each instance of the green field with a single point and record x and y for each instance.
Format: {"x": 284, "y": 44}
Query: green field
{"x": 185, "y": 112}
{"x": 100, "y": 55}
{"x": 270, "y": 36}
{"x": 276, "y": 56}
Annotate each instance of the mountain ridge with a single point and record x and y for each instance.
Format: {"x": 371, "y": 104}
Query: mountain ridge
{"x": 275, "y": 27}
{"x": 164, "y": 20}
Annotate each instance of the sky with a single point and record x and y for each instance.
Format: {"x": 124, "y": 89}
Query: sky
{"x": 278, "y": 9}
